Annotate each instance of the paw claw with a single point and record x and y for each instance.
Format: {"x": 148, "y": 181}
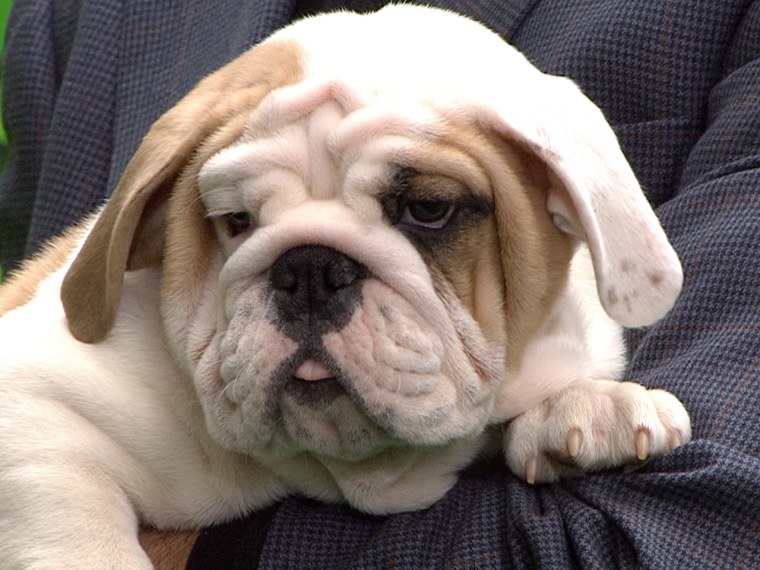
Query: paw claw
{"x": 643, "y": 444}
{"x": 574, "y": 441}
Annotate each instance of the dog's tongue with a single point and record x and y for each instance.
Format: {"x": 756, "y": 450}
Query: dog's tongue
{"x": 312, "y": 370}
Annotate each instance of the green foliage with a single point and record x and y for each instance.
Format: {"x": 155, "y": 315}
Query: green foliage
{"x": 5, "y": 8}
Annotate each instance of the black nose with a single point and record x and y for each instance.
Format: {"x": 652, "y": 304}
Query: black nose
{"x": 315, "y": 289}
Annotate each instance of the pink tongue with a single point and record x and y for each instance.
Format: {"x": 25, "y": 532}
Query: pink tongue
{"x": 312, "y": 370}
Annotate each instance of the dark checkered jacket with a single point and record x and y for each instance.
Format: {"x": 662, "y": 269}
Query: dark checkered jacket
{"x": 679, "y": 80}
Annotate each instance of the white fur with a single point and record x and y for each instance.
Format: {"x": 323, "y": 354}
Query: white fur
{"x": 95, "y": 437}
{"x": 76, "y": 461}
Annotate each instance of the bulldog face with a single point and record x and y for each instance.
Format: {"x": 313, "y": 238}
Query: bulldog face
{"x": 348, "y": 287}
{"x": 358, "y": 238}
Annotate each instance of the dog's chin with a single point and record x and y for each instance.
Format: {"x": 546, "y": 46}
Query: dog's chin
{"x": 289, "y": 416}
{"x": 321, "y": 418}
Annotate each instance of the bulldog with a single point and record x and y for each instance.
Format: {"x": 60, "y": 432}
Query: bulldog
{"x": 342, "y": 267}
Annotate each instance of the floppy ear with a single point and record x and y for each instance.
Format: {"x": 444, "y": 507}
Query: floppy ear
{"x": 593, "y": 195}
{"x": 128, "y": 233}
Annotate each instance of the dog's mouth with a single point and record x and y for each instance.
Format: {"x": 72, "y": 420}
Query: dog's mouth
{"x": 313, "y": 370}
{"x": 313, "y": 384}
{"x": 319, "y": 411}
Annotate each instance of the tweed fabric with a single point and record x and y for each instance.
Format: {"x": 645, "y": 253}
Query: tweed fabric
{"x": 679, "y": 80}
{"x": 84, "y": 81}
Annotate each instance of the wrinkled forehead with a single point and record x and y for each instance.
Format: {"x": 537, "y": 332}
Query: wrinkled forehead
{"x": 378, "y": 91}
{"x": 325, "y": 140}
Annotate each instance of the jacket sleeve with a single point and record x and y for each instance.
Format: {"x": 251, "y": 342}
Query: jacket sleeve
{"x": 83, "y": 83}
{"x": 30, "y": 90}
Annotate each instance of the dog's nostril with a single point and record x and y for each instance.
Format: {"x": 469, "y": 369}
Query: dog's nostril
{"x": 283, "y": 277}
{"x": 343, "y": 273}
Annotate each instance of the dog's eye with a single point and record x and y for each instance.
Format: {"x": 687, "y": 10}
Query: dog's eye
{"x": 428, "y": 213}
{"x": 238, "y": 223}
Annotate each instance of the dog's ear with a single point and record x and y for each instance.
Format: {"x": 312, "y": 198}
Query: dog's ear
{"x": 593, "y": 194}
{"x": 129, "y": 232}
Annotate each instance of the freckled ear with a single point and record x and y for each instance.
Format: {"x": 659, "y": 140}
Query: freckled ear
{"x": 593, "y": 194}
{"x": 129, "y": 232}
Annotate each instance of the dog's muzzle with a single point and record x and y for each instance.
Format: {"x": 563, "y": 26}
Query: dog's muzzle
{"x": 319, "y": 353}
{"x": 316, "y": 289}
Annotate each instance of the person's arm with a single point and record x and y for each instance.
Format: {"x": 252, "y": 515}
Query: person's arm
{"x": 83, "y": 82}
{"x": 699, "y": 156}
{"x": 30, "y": 87}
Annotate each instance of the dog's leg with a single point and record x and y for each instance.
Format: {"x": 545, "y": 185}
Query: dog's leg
{"x": 61, "y": 505}
{"x": 591, "y": 425}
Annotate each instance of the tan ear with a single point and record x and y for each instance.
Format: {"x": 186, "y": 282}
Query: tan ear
{"x": 593, "y": 194}
{"x": 128, "y": 233}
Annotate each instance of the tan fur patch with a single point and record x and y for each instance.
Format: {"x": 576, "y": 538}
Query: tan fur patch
{"x": 168, "y": 550}
{"x": 22, "y": 284}
{"x": 470, "y": 260}
{"x": 190, "y": 239}
{"x": 510, "y": 270}
{"x": 473, "y": 266}
{"x": 535, "y": 254}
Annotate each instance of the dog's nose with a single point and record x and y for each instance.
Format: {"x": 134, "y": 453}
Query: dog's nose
{"x": 315, "y": 289}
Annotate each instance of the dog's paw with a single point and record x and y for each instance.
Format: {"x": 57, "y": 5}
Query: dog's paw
{"x": 591, "y": 425}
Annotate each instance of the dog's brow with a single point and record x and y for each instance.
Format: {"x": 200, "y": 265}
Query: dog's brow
{"x": 410, "y": 181}
{"x": 401, "y": 181}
